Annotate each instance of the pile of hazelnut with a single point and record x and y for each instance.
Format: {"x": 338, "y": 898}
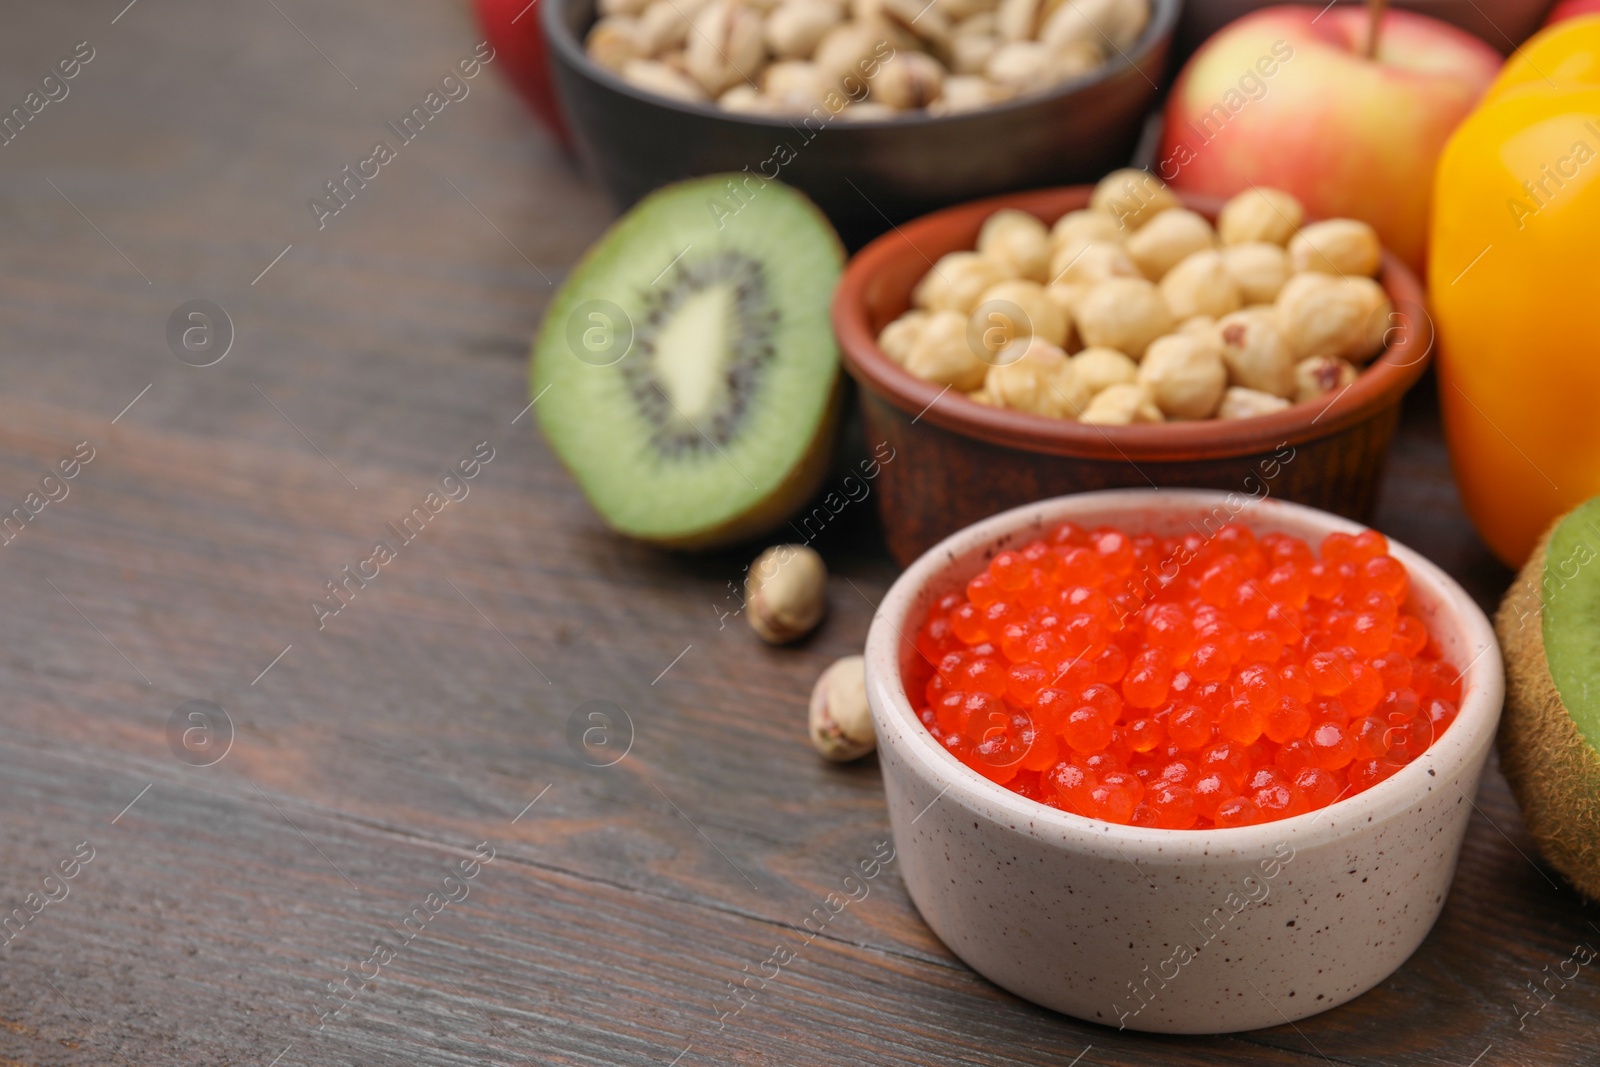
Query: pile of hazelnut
{"x": 1137, "y": 309}
{"x": 860, "y": 59}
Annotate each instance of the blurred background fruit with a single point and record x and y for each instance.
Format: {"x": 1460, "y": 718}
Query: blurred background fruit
{"x": 1571, "y": 9}
{"x": 1501, "y": 24}
{"x": 512, "y": 28}
{"x": 1516, "y": 222}
{"x": 1288, "y": 97}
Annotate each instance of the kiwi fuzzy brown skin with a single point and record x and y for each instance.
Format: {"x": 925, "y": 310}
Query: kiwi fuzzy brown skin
{"x": 1553, "y": 771}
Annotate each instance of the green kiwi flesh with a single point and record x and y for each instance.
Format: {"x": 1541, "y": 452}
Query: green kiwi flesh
{"x": 1571, "y": 610}
{"x": 686, "y": 372}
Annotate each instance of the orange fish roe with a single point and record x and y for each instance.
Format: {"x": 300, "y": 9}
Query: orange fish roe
{"x": 1184, "y": 682}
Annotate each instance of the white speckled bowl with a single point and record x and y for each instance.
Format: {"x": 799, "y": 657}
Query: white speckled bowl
{"x": 1176, "y": 931}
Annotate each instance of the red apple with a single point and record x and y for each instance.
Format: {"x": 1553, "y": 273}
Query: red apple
{"x": 1571, "y": 9}
{"x": 512, "y": 28}
{"x": 1286, "y": 97}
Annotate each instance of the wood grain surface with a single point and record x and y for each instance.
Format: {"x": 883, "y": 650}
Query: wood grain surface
{"x": 430, "y": 716}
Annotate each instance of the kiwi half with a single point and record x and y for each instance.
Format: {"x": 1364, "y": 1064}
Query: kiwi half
{"x": 686, "y": 372}
{"x": 1549, "y": 741}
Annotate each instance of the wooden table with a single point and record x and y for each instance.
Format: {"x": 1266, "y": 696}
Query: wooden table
{"x": 370, "y": 757}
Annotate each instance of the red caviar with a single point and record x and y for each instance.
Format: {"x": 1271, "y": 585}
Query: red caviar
{"x": 1184, "y": 682}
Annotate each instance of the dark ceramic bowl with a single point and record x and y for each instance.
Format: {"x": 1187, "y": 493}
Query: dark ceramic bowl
{"x": 866, "y": 175}
{"x": 957, "y": 461}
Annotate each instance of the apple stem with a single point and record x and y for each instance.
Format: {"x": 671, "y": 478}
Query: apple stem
{"x": 1374, "y": 26}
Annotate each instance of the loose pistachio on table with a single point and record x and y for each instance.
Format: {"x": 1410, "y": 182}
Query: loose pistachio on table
{"x": 785, "y": 593}
{"x": 840, "y": 719}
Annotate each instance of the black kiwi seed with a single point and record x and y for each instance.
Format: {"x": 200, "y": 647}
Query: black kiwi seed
{"x": 754, "y": 321}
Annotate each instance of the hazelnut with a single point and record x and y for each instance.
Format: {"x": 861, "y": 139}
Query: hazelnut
{"x": 1241, "y": 403}
{"x": 1091, "y": 261}
{"x": 1065, "y": 296}
{"x": 1337, "y": 246}
{"x": 1270, "y": 216}
{"x": 1101, "y": 368}
{"x": 1184, "y": 375}
{"x": 1114, "y": 24}
{"x": 897, "y": 338}
{"x": 1123, "y": 313}
{"x": 1015, "y": 311}
{"x": 965, "y": 92}
{"x": 957, "y": 281}
{"x": 1018, "y": 240}
{"x": 1120, "y": 405}
{"x": 1257, "y": 356}
{"x": 840, "y": 719}
{"x": 1167, "y": 240}
{"x": 909, "y": 80}
{"x": 1200, "y": 285}
{"x": 785, "y": 593}
{"x": 1133, "y": 197}
{"x": 1324, "y": 315}
{"x": 726, "y": 46}
{"x": 1380, "y": 320}
{"x": 794, "y": 85}
{"x": 613, "y": 41}
{"x": 1203, "y": 327}
{"x": 1258, "y": 269}
{"x": 1299, "y": 284}
{"x": 661, "y": 79}
{"x": 942, "y": 353}
{"x": 1036, "y": 376}
{"x": 795, "y": 26}
{"x": 1321, "y": 374}
{"x": 1076, "y": 227}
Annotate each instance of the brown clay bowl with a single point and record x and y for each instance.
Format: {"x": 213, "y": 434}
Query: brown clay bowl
{"x": 957, "y": 461}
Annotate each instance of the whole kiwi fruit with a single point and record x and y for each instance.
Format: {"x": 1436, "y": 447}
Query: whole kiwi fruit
{"x": 1549, "y": 740}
